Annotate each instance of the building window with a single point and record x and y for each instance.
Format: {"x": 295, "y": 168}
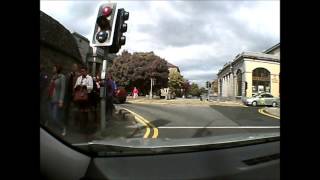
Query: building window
{"x": 260, "y": 80}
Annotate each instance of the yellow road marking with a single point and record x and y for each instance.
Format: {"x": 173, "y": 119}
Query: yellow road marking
{"x": 145, "y": 123}
{"x": 261, "y": 111}
{"x": 155, "y": 130}
{"x": 147, "y": 132}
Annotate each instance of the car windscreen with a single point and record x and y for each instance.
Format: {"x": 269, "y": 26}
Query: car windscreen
{"x": 169, "y": 74}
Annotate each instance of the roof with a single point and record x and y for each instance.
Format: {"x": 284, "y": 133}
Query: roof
{"x": 272, "y": 48}
{"x": 260, "y": 56}
{"x": 171, "y": 65}
{"x": 252, "y": 55}
{"x": 80, "y": 36}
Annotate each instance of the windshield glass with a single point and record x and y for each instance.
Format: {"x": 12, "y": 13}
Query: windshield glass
{"x": 136, "y": 76}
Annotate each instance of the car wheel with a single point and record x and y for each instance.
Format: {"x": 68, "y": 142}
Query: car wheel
{"x": 274, "y": 104}
{"x": 254, "y": 103}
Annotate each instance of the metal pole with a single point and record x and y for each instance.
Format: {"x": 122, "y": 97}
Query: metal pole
{"x": 94, "y": 54}
{"x": 150, "y": 97}
{"x": 94, "y": 66}
{"x": 103, "y": 90}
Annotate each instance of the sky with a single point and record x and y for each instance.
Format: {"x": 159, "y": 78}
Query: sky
{"x": 197, "y": 36}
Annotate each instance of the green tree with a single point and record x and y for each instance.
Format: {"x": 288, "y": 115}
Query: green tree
{"x": 186, "y": 87}
{"x": 135, "y": 70}
{"x": 194, "y": 90}
{"x": 176, "y": 82}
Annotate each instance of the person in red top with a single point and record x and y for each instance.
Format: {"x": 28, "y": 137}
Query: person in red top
{"x": 135, "y": 92}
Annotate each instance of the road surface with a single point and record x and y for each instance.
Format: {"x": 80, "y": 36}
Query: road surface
{"x": 184, "y": 121}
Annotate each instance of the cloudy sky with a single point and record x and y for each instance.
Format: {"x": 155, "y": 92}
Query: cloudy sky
{"x": 197, "y": 36}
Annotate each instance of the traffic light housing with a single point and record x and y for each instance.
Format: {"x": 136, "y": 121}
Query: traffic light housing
{"x": 208, "y": 85}
{"x": 105, "y": 25}
{"x": 120, "y": 28}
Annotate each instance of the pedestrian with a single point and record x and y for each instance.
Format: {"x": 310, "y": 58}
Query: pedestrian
{"x": 111, "y": 88}
{"x": 57, "y": 97}
{"x": 135, "y": 92}
{"x": 83, "y": 87}
{"x": 71, "y": 81}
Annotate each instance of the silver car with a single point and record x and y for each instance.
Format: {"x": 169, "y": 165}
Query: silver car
{"x": 264, "y": 99}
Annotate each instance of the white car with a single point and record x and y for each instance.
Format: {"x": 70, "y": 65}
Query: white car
{"x": 264, "y": 99}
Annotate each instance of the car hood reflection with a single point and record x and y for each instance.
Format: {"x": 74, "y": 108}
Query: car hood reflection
{"x": 129, "y": 146}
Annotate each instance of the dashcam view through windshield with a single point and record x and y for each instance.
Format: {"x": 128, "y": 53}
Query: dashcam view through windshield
{"x": 152, "y": 74}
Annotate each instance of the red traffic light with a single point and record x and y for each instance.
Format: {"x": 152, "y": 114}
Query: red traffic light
{"x": 106, "y": 11}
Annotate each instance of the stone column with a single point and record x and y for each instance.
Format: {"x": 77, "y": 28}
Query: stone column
{"x": 248, "y": 79}
{"x": 275, "y": 85}
{"x": 227, "y": 86}
{"x": 224, "y": 87}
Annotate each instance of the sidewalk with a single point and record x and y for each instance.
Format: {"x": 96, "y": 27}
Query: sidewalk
{"x": 272, "y": 111}
{"x": 121, "y": 125}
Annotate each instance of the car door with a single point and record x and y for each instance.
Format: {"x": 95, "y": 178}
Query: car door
{"x": 268, "y": 99}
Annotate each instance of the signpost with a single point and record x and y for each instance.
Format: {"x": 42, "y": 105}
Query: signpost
{"x": 152, "y": 80}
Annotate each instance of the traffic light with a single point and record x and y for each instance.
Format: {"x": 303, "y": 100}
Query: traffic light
{"x": 207, "y": 84}
{"x": 120, "y": 28}
{"x": 105, "y": 25}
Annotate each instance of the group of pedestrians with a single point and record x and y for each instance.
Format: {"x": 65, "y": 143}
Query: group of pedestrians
{"x": 75, "y": 90}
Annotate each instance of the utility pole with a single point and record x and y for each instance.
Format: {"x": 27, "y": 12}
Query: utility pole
{"x": 94, "y": 53}
{"x": 103, "y": 92}
{"x": 108, "y": 34}
{"x": 151, "y": 84}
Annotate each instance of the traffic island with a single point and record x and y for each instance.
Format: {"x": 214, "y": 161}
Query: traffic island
{"x": 271, "y": 111}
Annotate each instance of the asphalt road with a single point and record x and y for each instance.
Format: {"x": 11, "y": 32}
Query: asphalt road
{"x": 182, "y": 121}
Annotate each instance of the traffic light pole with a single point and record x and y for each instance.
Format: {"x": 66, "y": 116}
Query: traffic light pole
{"x": 103, "y": 92}
{"x": 108, "y": 34}
{"x": 94, "y": 67}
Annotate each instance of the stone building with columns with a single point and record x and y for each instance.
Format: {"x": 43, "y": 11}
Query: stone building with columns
{"x": 251, "y": 73}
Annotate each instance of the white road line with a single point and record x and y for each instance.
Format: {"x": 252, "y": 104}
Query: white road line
{"x": 219, "y": 127}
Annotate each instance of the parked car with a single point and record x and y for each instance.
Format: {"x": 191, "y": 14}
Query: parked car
{"x": 120, "y": 96}
{"x": 262, "y": 99}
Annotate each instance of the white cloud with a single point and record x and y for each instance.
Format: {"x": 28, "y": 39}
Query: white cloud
{"x": 249, "y": 26}
{"x": 264, "y": 18}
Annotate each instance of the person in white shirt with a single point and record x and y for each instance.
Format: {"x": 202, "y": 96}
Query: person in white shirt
{"x": 84, "y": 80}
